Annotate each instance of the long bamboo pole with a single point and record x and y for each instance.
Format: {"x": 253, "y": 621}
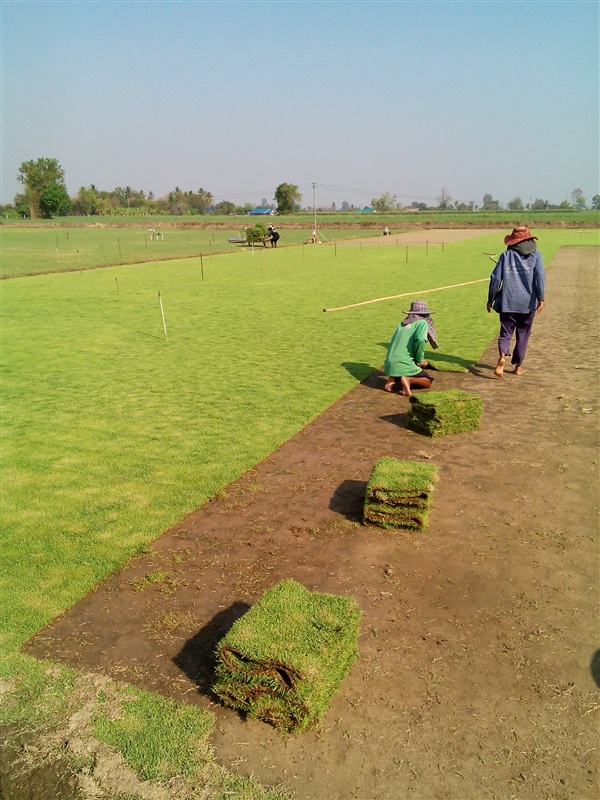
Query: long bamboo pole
{"x": 406, "y": 294}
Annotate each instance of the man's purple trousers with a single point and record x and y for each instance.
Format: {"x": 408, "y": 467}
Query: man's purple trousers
{"x": 520, "y": 325}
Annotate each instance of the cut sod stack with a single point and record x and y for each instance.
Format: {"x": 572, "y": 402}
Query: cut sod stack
{"x": 283, "y": 661}
{"x": 399, "y": 494}
{"x": 442, "y": 413}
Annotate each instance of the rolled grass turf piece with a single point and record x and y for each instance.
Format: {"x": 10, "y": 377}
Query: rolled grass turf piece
{"x": 398, "y": 494}
{"x": 414, "y": 522}
{"x": 447, "y": 396}
{"x": 401, "y": 479}
{"x": 442, "y": 430}
{"x": 283, "y": 661}
{"x": 445, "y": 412}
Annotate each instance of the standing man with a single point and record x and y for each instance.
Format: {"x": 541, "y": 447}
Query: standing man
{"x": 516, "y": 292}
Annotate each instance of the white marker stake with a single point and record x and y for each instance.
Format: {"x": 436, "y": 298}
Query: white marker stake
{"x": 162, "y": 313}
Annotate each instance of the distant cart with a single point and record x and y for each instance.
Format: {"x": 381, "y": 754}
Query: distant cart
{"x": 251, "y": 236}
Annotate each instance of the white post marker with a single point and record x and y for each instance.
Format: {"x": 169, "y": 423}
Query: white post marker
{"x": 162, "y": 313}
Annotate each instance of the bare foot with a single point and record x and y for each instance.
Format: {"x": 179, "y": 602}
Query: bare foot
{"x": 499, "y": 371}
{"x": 518, "y": 370}
{"x": 389, "y": 385}
{"x": 406, "y": 392}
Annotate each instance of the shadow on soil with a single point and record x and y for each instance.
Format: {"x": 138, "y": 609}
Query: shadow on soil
{"x": 595, "y": 667}
{"x": 348, "y": 500}
{"x": 485, "y": 371}
{"x": 396, "y": 419}
{"x": 198, "y": 657}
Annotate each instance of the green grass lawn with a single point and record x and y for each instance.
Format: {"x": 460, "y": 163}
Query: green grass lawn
{"x": 111, "y": 434}
{"x": 31, "y": 250}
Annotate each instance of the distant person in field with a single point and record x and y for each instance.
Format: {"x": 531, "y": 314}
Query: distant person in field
{"x": 516, "y": 292}
{"x": 274, "y": 236}
{"x": 386, "y": 231}
{"x": 405, "y": 357}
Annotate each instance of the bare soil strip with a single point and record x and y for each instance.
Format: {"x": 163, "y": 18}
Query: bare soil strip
{"x": 478, "y": 672}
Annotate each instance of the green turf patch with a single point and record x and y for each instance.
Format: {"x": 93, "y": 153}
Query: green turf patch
{"x": 283, "y": 661}
{"x": 156, "y": 736}
{"x": 398, "y": 494}
{"x": 443, "y": 413}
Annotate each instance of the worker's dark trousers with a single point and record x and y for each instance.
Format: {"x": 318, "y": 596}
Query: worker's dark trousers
{"x": 520, "y": 325}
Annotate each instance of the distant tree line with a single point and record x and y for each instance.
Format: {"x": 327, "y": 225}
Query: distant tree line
{"x": 387, "y": 203}
{"x": 45, "y": 196}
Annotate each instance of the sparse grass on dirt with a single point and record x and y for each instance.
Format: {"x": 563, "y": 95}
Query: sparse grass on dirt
{"x": 106, "y": 740}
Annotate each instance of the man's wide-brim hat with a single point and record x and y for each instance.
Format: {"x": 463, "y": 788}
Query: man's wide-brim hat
{"x": 520, "y": 234}
{"x": 419, "y": 307}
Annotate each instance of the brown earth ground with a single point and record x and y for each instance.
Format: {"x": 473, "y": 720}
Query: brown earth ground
{"x": 479, "y": 667}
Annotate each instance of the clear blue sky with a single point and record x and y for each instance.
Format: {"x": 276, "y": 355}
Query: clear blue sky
{"x": 370, "y": 97}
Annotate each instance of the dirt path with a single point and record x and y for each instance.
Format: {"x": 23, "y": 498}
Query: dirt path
{"x": 477, "y": 651}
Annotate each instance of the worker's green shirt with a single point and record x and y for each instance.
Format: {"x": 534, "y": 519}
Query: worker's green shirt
{"x": 406, "y": 348}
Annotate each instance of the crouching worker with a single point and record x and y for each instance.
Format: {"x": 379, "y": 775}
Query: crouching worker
{"x": 405, "y": 356}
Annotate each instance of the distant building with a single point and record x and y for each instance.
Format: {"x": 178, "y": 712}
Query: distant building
{"x": 261, "y": 211}
{"x": 366, "y": 210}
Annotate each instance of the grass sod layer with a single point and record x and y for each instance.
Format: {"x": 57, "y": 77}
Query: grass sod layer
{"x": 398, "y": 494}
{"x": 443, "y": 413}
{"x": 283, "y": 661}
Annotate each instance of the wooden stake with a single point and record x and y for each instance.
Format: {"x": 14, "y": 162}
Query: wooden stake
{"x": 162, "y": 313}
{"x": 117, "y": 282}
{"x": 406, "y": 294}
{"x": 119, "y": 241}
{"x": 201, "y": 266}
